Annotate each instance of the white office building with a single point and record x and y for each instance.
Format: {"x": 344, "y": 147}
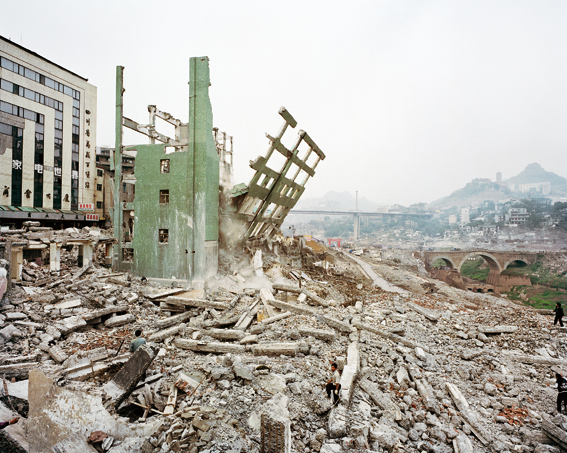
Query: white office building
{"x": 47, "y": 139}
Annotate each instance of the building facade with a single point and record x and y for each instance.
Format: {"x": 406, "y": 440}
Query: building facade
{"x": 47, "y": 139}
{"x": 464, "y": 216}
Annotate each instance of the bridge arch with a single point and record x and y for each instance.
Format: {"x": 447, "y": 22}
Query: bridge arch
{"x": 516, "y": 260}
{"x": 448, "y": 261}
{"x": 491, "y": 260}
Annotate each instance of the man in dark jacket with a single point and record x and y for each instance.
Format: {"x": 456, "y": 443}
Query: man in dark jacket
{"x": 558, "y": 314}
{"x": 562, "y": 391}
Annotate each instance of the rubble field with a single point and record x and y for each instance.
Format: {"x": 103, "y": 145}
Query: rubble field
{"x": 241, "y": 366}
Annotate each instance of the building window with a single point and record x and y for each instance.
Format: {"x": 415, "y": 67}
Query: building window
{"x": 164, "y": 196}
{"x": 127, "y": 255}
{"x": 99, "y": 173}
{"x": 99, "y": 204}
{"x": 164, "y": 166}
{"x": 163, "y": 236}
{"x": 40, "y": 78}
{"x": 30, "y": 94}
{"x": 99, "y": 187}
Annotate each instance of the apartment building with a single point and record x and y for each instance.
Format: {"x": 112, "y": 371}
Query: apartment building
{"x": 47, "y": 140}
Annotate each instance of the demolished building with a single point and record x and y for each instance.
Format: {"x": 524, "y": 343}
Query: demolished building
{"x": 240, "y": 364}
{"x": 175, "y": 232}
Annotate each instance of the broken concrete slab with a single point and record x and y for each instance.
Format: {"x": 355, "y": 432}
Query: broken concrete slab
{"x": 325, "y": 335}
{"x": 429, "y": 314}
{"x": 275, "y": 318}
{"x": 8, "y": 332}
{"x": 173, "y": 320}
{"x": 16, "y": 433}
{"x": 185, "y": 383}
{"x": 350, "y": 373}
{"x": 104, "y": 312}
{"x": 536, "y": 360}
{"x": 338, "y": 417}
{"x": 276, "y": 425}
{"x": 275, "y": 349}
{"x": 68, "y": 325}
{"x": 68, "y": 412}
{"x": 202, "y": 346}
{"x": 497, "y": 329}
{"x": 119, "y": 320}
{"x": 225, "y": 334}
{"x": 388, "y": 335}
{"x": 69, "y": 303}
{"x": 462, "y": 444}
{"x": 15, "y": 316}
{"x": 18, "y": 370}
{"x": 468, "y": 415}
{"x": 429, "y": 400}
{"x": 73, "y": 444}
{"x": 57, "y": 354}
{"x": 124, "y": 382}
{"x": 381, "y": 399}
{"x": 307, "y": 293}
{"x": 163, "y": 334}
{"x": 266, "y": 296}
{"x": 558, "y": 435}
{"x": 201, "y": 303}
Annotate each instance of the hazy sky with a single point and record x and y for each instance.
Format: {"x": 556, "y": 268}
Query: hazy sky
{"x": 408, "y": 99}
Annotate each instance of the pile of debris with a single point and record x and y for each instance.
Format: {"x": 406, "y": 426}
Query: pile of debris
{"x": 241, "y": 366}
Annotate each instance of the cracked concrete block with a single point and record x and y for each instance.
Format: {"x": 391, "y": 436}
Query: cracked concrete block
{"x": 120, "y": 320}
{"x": 68, "y": 412}
{"x": 125, "y": 381}
{"x": 73, "y": 444}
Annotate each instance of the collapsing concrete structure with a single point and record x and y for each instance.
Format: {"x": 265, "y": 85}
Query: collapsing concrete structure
{"x": 176, "y": 208}
{"x": 262, "y": 206}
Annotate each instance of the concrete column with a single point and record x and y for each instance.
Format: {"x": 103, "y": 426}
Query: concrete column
{"x": 356, "y": 226}
{"x": 107, "y": 254}
{"x": 80, "y": 261}
{"x": 17, "y": 263}
{"x": 87, "y": 254}
{"x": 54, "y": 257}
{"x": 205, "y": 168}
{"x": 117, "y": 215}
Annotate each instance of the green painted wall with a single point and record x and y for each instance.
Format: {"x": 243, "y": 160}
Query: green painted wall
{"x": 152, "y": 259}
{"x": 192, "y": 214}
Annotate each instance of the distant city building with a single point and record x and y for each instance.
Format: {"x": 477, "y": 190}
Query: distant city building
{"x": 517, "y": 216}
{"x": 541, "y": 187}
{"x": 47, "y": 139}
{"x": 382, "y": 209}
{"x": 464, "y": 216}
{"x": 499, "y": 176}
{"x": 452, "y": 219}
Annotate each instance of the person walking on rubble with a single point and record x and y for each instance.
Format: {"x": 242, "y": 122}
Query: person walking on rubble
{"x": 562, "y": 391}
{"x": 334, "y": 384}
{"x": 558, "y": 314}
{"x": 137, "y": 341}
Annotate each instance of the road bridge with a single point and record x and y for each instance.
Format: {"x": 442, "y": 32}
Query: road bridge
{"x": 357, "y": 215}
{"x": 497, "y": 261}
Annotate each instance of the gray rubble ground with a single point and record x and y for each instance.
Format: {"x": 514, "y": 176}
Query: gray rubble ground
{"x": 430, "y": 374}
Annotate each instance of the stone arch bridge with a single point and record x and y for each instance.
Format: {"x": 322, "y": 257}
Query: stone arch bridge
{"x": 497, "y": 261}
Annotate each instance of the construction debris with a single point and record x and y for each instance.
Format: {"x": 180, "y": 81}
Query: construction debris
{"x": 240, "y": 366}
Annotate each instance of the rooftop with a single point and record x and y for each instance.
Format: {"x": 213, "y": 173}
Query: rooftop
{"x": 31, "y": 52}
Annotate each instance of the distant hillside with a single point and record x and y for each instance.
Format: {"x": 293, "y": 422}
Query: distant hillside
{"x": 535, "y": 173}
{"x": 336, "y": 201}
{"x": 479, "y": 190}
{"x": 474, "y": 194}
